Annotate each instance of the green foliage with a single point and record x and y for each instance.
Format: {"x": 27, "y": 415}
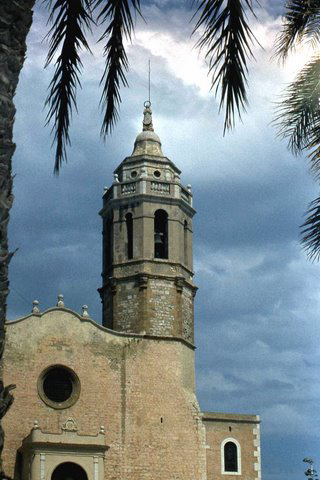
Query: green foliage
{"x": 310, "y": 231}
{"x": 117, "y": 16}
{"x": 298, "y": 114}
{"x": 69, "y": 22}
{"x": 226, "y": 40}
{"x": 300, "y": 23}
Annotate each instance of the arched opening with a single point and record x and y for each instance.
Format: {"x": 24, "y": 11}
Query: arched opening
{"x": 185, "y": 242}
{"x": 69, "y": 471}
{"x": 129, "y": 225}
{"x": 108, "y": 234}
{"x": 230, "y": 457}
{"x": 161, "y": 234}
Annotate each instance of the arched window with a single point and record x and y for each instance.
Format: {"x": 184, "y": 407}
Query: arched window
{"x": 129, "y": 224}
{"x": 69, "y": 470}
{"x": 185, "y": 242}
{"x": 161, "y": 234}
{"x": 230, "y": 457}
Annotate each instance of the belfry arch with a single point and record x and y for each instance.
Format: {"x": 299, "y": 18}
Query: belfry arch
{"x": 69, "y": 471}
{"x": 161, "y": 234}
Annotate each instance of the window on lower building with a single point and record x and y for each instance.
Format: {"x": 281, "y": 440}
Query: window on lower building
{"x": 230, "y": 457}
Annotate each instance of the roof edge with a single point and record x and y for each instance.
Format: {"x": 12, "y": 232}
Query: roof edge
{"x": 101, "y": 327}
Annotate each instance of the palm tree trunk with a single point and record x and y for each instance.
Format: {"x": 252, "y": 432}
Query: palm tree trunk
{"x": 15, "y": 22}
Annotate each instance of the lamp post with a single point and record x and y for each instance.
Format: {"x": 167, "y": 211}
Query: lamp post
{"x": 311, "y": 473}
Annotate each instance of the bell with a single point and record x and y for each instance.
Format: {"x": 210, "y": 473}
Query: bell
{"x": 158, "y": 238}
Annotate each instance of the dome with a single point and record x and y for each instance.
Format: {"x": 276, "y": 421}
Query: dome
{"x": 147, "y": 142}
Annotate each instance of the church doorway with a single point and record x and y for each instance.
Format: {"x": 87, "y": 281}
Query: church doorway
{"x": 69, "y": 471}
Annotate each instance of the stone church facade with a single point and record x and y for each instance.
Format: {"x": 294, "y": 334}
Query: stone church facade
{"x": 117, "y": 401}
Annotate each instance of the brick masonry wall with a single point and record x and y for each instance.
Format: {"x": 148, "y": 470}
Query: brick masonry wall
{"x": 248, "y": 436}
{"x": 140, "y": 389}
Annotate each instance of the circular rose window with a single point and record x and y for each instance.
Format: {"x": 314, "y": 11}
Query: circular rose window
{"x": 59, "y": 386}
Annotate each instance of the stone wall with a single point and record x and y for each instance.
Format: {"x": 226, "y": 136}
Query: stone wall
{"x": 141, "y": 390}
{"x": 241, "y": 429}
{"x": 158, "y": 306}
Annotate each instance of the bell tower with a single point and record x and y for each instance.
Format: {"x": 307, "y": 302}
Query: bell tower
{"x": 147, "y": 244}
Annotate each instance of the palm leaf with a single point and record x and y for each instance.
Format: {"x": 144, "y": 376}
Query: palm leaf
{"x": 298, "y": 114}
{"x": 310, "y": 231}
{"x": 227, "y": 40}
{"x": 70, "y": 19}
{"x": 300, "y": 22}
{"x": 117, "y": 14}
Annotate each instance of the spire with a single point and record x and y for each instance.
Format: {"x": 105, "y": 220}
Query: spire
{"x": 147, "y": 142}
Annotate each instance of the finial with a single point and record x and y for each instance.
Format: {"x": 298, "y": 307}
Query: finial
{"x": 35, "y": 306}
{"x": 35, "y": 425}
{"x": 147, "y": 117}
{"x": 85, "y": 312}
{"x": 60, "y": 300}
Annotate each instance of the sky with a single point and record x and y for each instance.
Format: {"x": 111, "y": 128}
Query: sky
{"x": 257, "y": 308}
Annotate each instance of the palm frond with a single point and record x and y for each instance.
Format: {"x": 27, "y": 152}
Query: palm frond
{"x": 117, "y": 14}
{"x": 70, "y": 20}
{"x": 310, "y": 231}
{"x": 298, "y": 114}
{"x": 301, "y": 21}
{"x": 227, "y": 40}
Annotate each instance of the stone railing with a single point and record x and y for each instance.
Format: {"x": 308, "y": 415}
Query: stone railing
{"x": 160, "y": 187}
{"x": 128, "y": 188}
{"x": 186, "y": 196}
{"x": 108, "y": 193}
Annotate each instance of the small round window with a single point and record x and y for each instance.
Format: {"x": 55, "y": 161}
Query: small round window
{"x": 59, "y": 386}
{"x": 157, "y": 173}
{"x": 134, "y": 173}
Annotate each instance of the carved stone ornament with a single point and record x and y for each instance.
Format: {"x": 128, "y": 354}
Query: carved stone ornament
{"x": 142, "y": 281}
{"x": 69, "y": 425}
{"x": 179, "y": 284}
{"x": 147, "y": 117}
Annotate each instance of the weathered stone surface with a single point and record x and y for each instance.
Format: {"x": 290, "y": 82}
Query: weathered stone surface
{"x": 140, "y": 389}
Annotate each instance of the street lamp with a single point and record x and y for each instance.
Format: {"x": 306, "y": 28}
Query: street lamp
{"x": 311, "y": 473}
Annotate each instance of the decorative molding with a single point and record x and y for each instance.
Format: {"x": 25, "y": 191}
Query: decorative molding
{"x": 70, "y": 425}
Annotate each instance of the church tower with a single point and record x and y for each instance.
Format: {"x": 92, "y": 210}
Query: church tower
{"x": 147, "y": 244}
